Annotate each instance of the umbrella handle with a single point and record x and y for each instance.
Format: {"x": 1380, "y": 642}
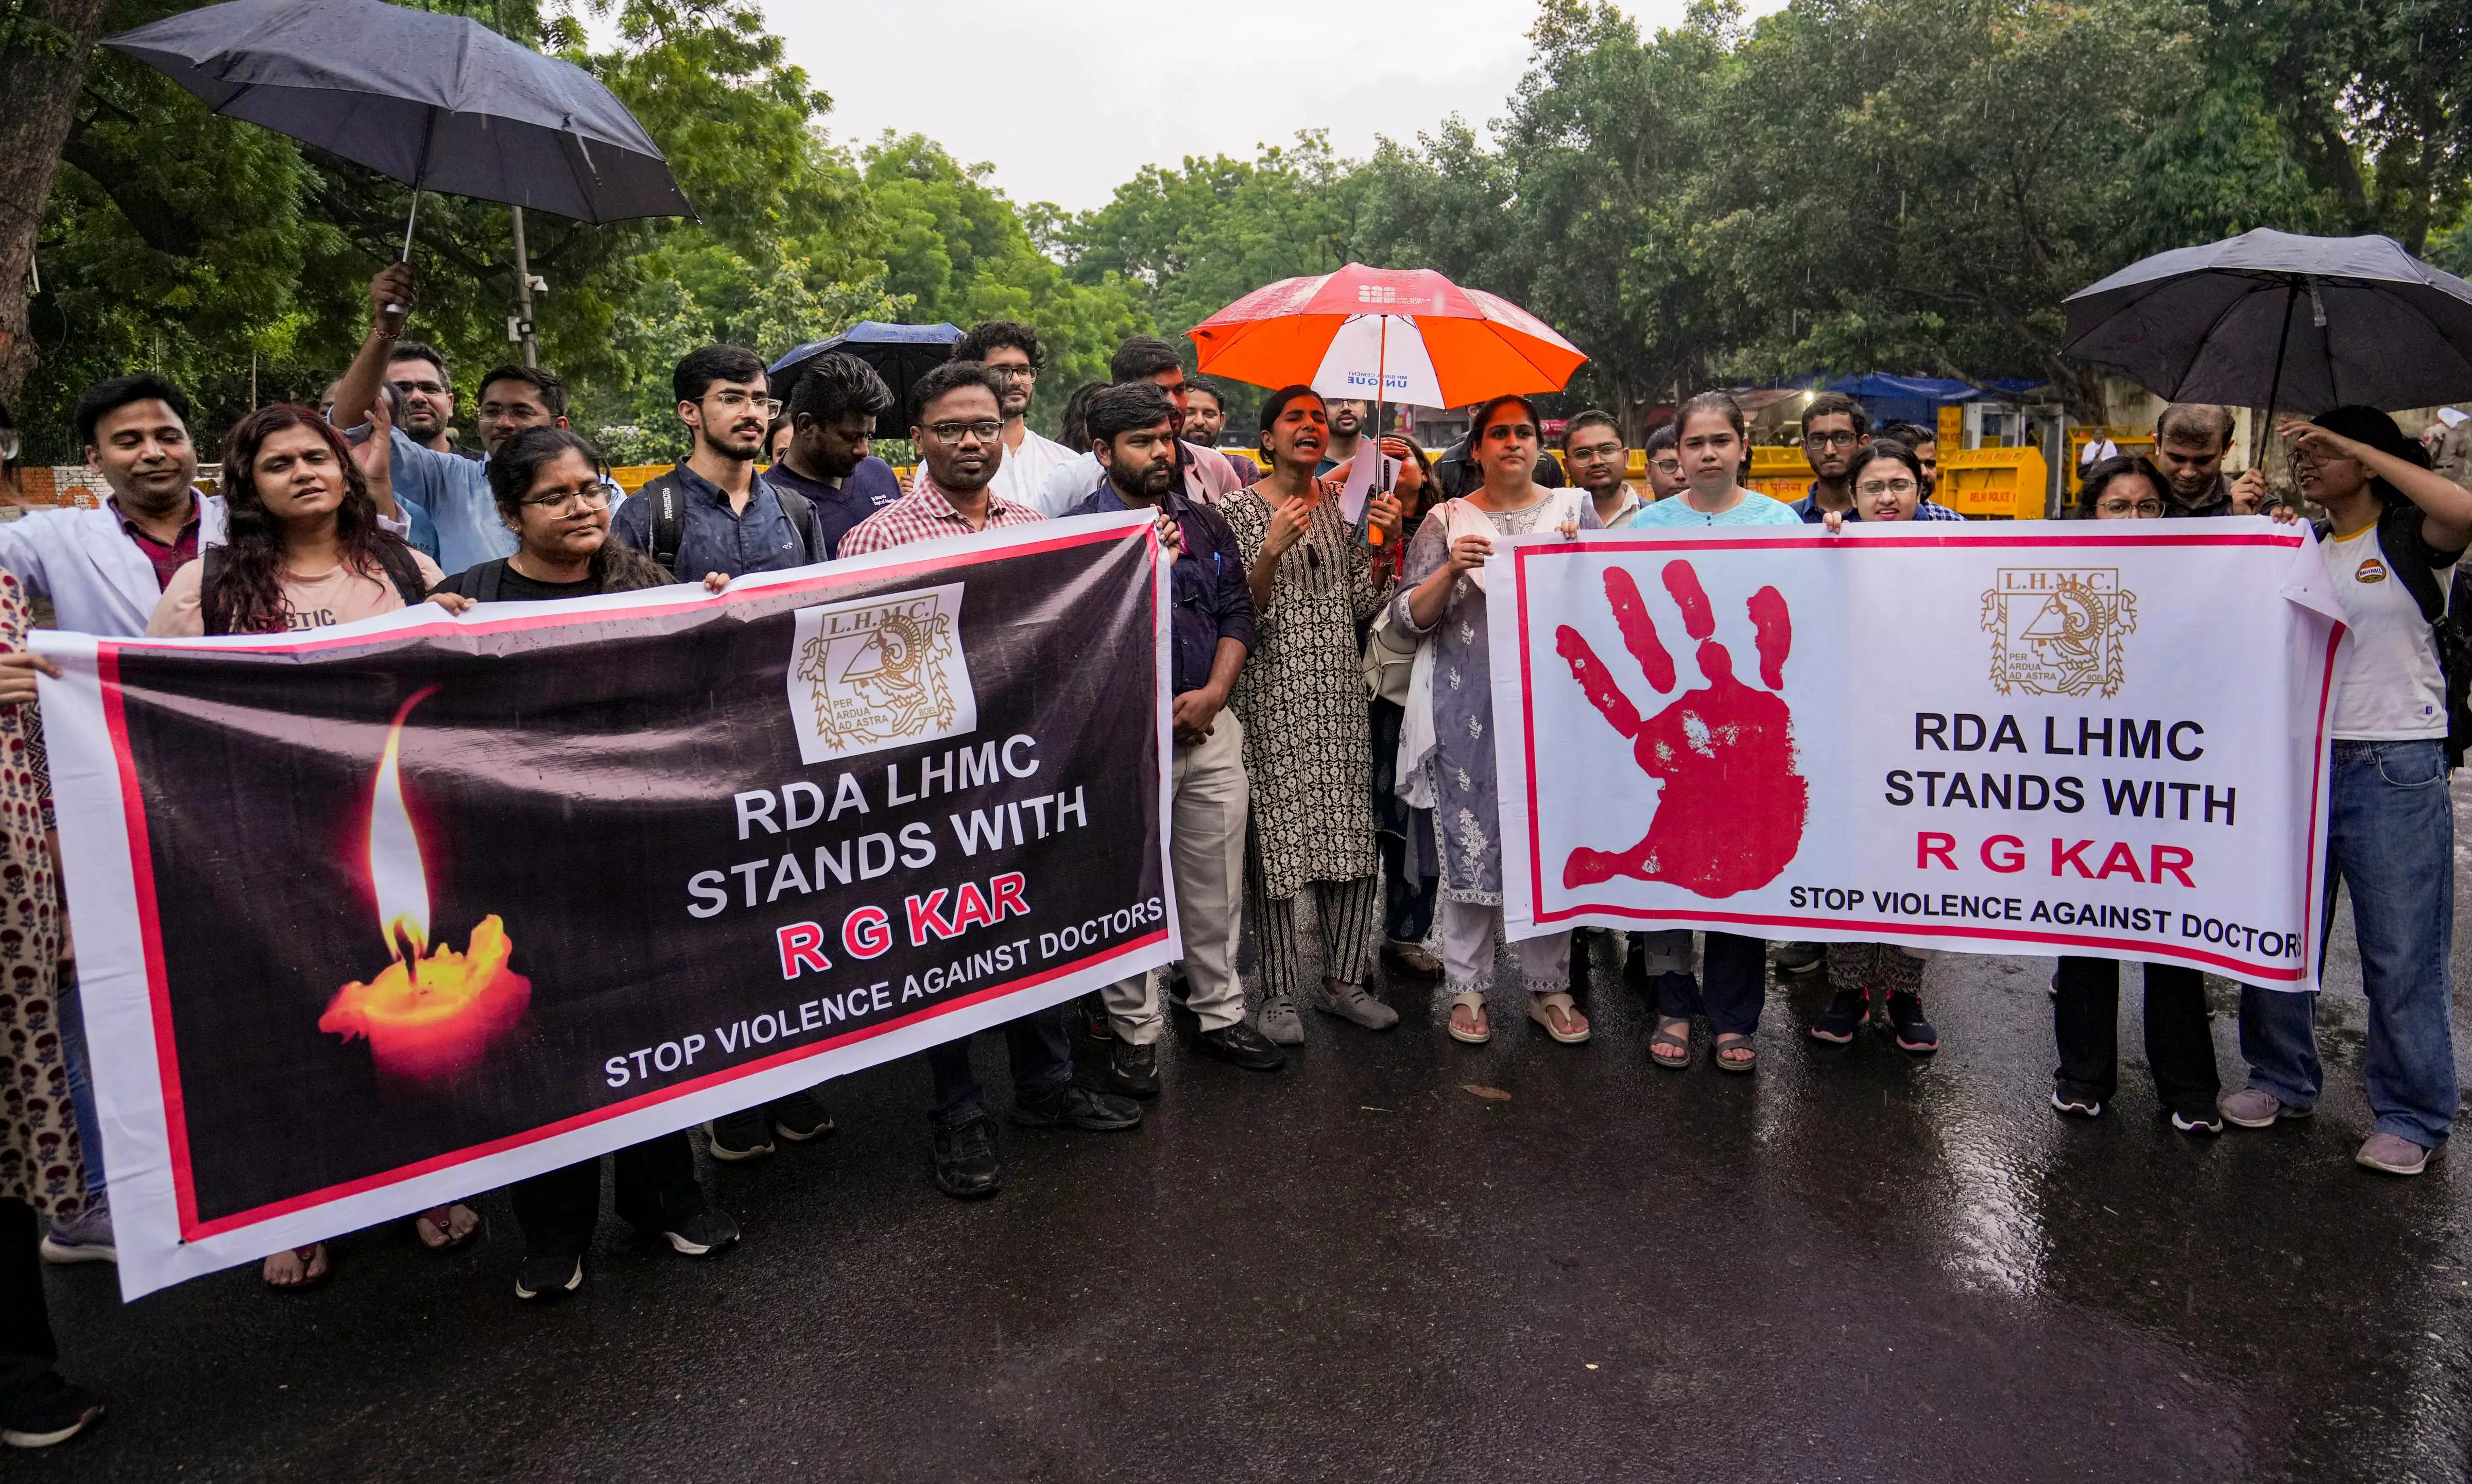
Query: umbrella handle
{"x": 406, "y": 255}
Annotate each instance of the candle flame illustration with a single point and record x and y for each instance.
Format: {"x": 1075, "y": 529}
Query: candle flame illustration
{"x": 396, "y": 871}
{"x": 426, "y": 1015}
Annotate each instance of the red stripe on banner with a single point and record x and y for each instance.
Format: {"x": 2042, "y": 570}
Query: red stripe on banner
{"x": 818, "y": 583}
{"x": 1536, "y": 838}
{"x": 1528, "y": 733}
{"x": 2133, "y": 947}
{"x": 1918, "y": 538}
{"x": 192, "y": 1230}
{"x": 149, "y": 934}
{"x": 2310, "y": 909}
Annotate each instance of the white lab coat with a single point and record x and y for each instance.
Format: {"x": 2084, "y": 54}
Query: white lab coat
{"x": 98, "y": 580}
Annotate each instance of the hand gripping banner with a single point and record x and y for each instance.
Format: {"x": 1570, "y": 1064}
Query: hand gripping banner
{"x": 2097, "y": 738}
{"x": 372, "y": 918}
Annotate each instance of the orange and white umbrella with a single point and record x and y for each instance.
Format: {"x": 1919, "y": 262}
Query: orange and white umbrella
{"x": 1385, "y": 335}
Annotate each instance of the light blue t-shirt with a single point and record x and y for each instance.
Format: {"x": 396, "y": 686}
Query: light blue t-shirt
{"x": 1756, "y": 509}
{"x": 454, "y": 492}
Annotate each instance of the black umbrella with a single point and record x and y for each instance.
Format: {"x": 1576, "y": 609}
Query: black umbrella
{"x": 2273, "y": 319}
{"x": 438, "y": 102}
{"x": 901, "y": 353}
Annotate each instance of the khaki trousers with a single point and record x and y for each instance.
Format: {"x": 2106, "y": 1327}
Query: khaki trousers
{"x": 1206, "y": 835}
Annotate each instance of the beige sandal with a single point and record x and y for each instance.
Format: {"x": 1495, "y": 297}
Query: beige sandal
{"x": 1480, "y": 1030}
{"x": 1541, "y": 1008}
{"x": 437, "y": 1227}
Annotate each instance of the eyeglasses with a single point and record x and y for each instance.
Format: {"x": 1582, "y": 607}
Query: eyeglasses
{"x": 985, "y": 430}
{"x": 1602, "y": 450}
{"x": 1666, "y": 465}
{"x": 2143, "y": 509}
{"x": 1016, "y": 372}
{"x": 1844, "y": 439}
{"x": 1886, "y": 487}
{"x": 595, "y": 497}
{"x": 740, "y": 401}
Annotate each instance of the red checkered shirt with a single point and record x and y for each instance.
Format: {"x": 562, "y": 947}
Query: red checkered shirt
{"x": 923, "y": 514}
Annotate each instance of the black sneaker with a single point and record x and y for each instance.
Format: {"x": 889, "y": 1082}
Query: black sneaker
{"x": 2205, "y": 1119}
{"x": 701, "y": 1233}
{"x": 1905, "y": 1021}
{"x": 1801, "y": 958}
{"x": 1843, "y": 1017}
{"x": 1075, "y": 1106}
{"x": 548, "y": 1278}
{"x": 743, "y": 1136}
{"x": 48, "y": 1410}
{"x": 2075, "y": 1099}
{"x": 1241, "y": 1044}
{"x": 1133, "y": 1070}
{"x": 799, "y": 1117}
{"x": 966, "y": 1168}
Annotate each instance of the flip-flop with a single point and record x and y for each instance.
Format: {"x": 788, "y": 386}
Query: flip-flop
{"x": 1666, "y": 1040}
{"x": 423, "y": 1226}
{"x": 1475, "y": 1004}
{"x": 1541, "y": 1008}
{"x": 1732, "y": 1041}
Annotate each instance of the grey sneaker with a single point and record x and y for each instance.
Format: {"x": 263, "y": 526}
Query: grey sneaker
{"x": 84, "y": 1237}
{"x": 1801, "y": 958}
{"x": 2393, "y": 1154}
{"x": 2254, "y": 1107}
{"x": 1279, "y": 1024}
{"x": 1353, "y": 1003}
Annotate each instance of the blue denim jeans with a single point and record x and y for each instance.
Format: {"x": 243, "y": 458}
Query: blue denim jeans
{"x": 2390, "y": 842}
{"x": 71, "y": 1009}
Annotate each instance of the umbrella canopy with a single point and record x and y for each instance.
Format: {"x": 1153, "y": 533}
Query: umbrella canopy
{"x": 901, "y": 353}
{"x": 2278, "y": 320}
{"x": 1385, "y": 335}
{"x": 438, "y": 102}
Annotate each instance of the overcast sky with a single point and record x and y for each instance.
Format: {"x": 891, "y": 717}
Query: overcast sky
{"x": 1068, "y": 98}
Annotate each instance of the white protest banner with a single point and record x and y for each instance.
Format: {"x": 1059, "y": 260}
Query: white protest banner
{"x": 2103, "y": 738}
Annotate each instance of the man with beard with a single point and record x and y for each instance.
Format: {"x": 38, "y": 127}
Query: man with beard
{"x": 417, "y": 369}
{"x": 2190, "y": 442}
{"x": 832, "y": 418}
{"x": 1205, "y": 418}
{"x": 957, "y": 423}
{"x": 714, "y": 513}
{"x": 1348, "y": 418}
{"x": 1134, "y": 435}
{"x": 1208, "y": 477}
{"x": 1010, "y": 350}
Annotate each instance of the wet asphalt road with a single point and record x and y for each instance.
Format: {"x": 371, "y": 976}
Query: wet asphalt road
{"x": 1852, "y": 1265}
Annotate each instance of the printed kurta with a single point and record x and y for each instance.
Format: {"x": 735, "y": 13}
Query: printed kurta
{"x": 1301, "y": 697}
{"x": 41, "y": 1162}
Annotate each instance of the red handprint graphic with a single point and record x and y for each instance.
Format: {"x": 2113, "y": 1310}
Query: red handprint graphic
{"x": 1731, "y": 812}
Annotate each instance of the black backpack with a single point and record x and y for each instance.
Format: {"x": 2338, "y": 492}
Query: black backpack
{"x": 393, "y": 555}
{"x": 669, "y": 520}
{"x": 2416, "y": 566}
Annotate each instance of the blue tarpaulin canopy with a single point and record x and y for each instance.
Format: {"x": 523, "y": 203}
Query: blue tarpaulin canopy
{"x": 1914, "y": 399}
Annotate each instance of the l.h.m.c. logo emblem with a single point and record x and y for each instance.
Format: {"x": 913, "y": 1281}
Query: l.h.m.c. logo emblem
{"x": 2058, "y": 631}
{"x": 880, "y": 673}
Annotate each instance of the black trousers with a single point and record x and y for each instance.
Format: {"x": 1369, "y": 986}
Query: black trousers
{"x": 1040, "y": 1045}
{"x": 1733, "y": 985}
{"x": 25, "y": 1320}
{"x": 2179, "y": 1049}
{"x": 558, "y": 1211}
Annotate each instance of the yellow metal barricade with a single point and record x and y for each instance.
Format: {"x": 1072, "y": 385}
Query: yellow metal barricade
{"x": 1994, "y": 483}
{"x": 1779, "y": 473}
{"x": 2131, "y": 441}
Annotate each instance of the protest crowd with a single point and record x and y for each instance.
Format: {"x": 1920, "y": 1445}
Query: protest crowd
{"x": 1308, "y": 761}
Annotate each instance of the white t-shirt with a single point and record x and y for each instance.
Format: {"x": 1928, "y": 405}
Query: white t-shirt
{"x": 1025, "y": 469}
{"x": 2393, "y": 689}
